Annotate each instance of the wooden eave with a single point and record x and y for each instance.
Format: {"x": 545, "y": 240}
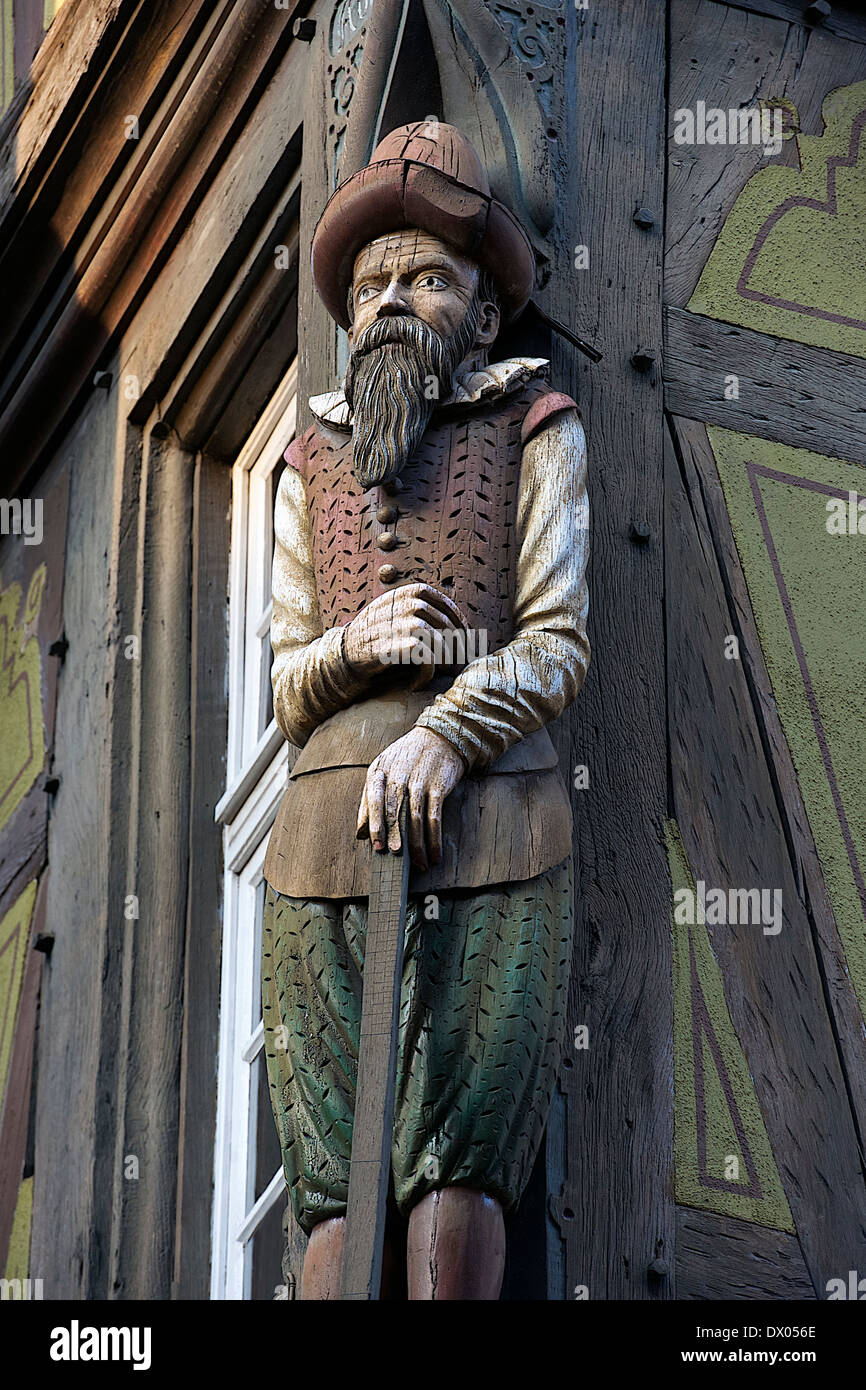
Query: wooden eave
{"x": 91, "y": 217}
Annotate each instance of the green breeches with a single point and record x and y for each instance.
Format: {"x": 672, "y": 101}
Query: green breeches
{"x": 481, "y": 1022}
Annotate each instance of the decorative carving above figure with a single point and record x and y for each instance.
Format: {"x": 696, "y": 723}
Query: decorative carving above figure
{"x": 348, "y": 19}
{"x": 534, "y": 31}
{"x": 342, "y": 79}
{"x": 494, "y": 103}
{"x": 507, "y": 109}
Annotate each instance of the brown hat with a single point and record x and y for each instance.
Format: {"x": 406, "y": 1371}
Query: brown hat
{"x": 425, "y": 175}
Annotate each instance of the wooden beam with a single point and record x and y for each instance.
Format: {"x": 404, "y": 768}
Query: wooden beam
{"x": 219, "y": 89}
{"x": 84, "y": 31}
{"x": 772, "y": 59}
{"x": 50, "y": 218}
{"x": 805, "y": 396}
{"x": 846, "y": 20}
{"x": 719, "y": 1257}
{"x": 144, "y": 1233}
{"x": 212, "y": 494}
{"x": 699, "y": 466}
{"x": 88, "y": 878}
{"x": 726, "y": 803}
{"x": 616, "y": 1207}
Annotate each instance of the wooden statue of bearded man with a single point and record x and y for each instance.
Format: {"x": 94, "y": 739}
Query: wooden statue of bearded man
{"x": 438, "y": 506}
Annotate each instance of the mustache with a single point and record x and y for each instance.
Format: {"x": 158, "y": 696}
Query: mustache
{"x": 393, "y": 365}
{"x": 403, "y": 330}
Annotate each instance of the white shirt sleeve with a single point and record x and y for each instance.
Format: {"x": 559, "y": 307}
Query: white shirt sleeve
{"x": 310, "y": 677}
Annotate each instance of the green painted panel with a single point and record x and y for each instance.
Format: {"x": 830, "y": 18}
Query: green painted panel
{"x": 789, "y": 259}
{"x": 18, "y": 1258}
{"x": 807, "y": 589}
{"x": 22, "y": 738}
{"x": 7, "y": 41}
{"x": 14, "y": 940}
{"x": 724, "y": 1162}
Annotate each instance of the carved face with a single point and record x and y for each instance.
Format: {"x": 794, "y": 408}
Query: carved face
{"x": 413, "y": 273}
{"x": 418, "y": 316}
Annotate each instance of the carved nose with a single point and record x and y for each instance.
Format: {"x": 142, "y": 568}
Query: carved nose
{"x": 392, "y": 302}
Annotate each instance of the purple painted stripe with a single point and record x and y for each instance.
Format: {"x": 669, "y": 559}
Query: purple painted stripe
{"x": 7, "y": 647}
{"x": 703, "y": 1024}
{"x": 13, "y": 944}
{"x": 830, "y": 205}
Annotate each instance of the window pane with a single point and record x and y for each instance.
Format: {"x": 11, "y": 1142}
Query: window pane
{"x": 268, "y": 1158}
{"x": 268, "y": 545}
{"x": 256, "y": 1016}
{"x": 266, "y": 1248}
{"x": 266, "y": 703}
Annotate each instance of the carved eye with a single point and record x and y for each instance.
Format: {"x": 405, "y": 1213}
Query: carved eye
{"x": 364, "y": 293}
{"x": 430, "y": 281}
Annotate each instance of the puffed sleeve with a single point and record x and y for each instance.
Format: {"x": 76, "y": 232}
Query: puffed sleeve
{"x": 310, "y": 676}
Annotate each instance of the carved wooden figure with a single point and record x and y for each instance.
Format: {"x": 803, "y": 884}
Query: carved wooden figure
{"x": 429, "y": 620}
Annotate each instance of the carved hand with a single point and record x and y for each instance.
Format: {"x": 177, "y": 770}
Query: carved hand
{"x": 424, "y": 766}
{"x": 386, "y": 631}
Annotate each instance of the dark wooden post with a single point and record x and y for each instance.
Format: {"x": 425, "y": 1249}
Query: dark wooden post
{"x": 616, "y": 1207}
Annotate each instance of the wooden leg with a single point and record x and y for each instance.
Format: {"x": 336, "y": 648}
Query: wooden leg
{"x": 323, "y": 1261}
{"x": 456, "y": 1246}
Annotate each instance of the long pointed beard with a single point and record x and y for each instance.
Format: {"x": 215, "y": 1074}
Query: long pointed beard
{"x": 397, "y": 372}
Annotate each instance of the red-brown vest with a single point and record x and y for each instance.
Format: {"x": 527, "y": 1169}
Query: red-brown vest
{"x": 452, "y": 521}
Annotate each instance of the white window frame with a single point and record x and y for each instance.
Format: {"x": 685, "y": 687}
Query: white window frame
{"x": 257, "y": 766}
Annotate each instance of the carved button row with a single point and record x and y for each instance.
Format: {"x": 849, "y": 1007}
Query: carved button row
{"x": 386, "y": 515}
{"x": 387, "y": 574}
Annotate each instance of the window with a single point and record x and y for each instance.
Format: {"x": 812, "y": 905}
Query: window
{"x": 249, "y": 1188}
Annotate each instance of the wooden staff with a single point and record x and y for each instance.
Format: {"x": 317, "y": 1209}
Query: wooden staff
{"x": 373, "y": 1126}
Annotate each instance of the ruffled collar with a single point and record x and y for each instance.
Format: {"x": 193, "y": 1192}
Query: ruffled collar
{"x": 489, "y": 383}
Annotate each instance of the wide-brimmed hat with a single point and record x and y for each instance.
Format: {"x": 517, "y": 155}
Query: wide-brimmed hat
{"x": 425, "y": 175}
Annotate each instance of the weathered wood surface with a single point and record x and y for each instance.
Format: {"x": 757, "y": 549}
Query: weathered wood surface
{"x": 150, "y": 1035}
{"x": 246, "y": 213}
{"x": 202, "y": 949}
{"x": 94, "y": 135}
{"x": 844, "y": 19}
{"x": 94, "y": 1055}
{"x": 74, "y": 987}
{"x": 618, "y": 1214}
{"x": 719, "y": 1257}
{"x": 140, "y": 223}
{"x": 83, "y": 30}
{"x": 490, "y": 817}
{"x": 491, "y": 97}
{"x": 15, "y": 1114}
{"x": 729, "y": 57}
{"x": 724, "y": 797}
{"x": 247, "y": 343}
{"x": 317, "y": 339}
{"x": 805, "y": 396}
{"x": 23, "y": 838}
{"x": 699, "y": 466}
{"x": 373, "y": 1126}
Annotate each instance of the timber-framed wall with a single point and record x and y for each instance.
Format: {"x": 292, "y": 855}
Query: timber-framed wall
{"x": 150, "y": 319}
